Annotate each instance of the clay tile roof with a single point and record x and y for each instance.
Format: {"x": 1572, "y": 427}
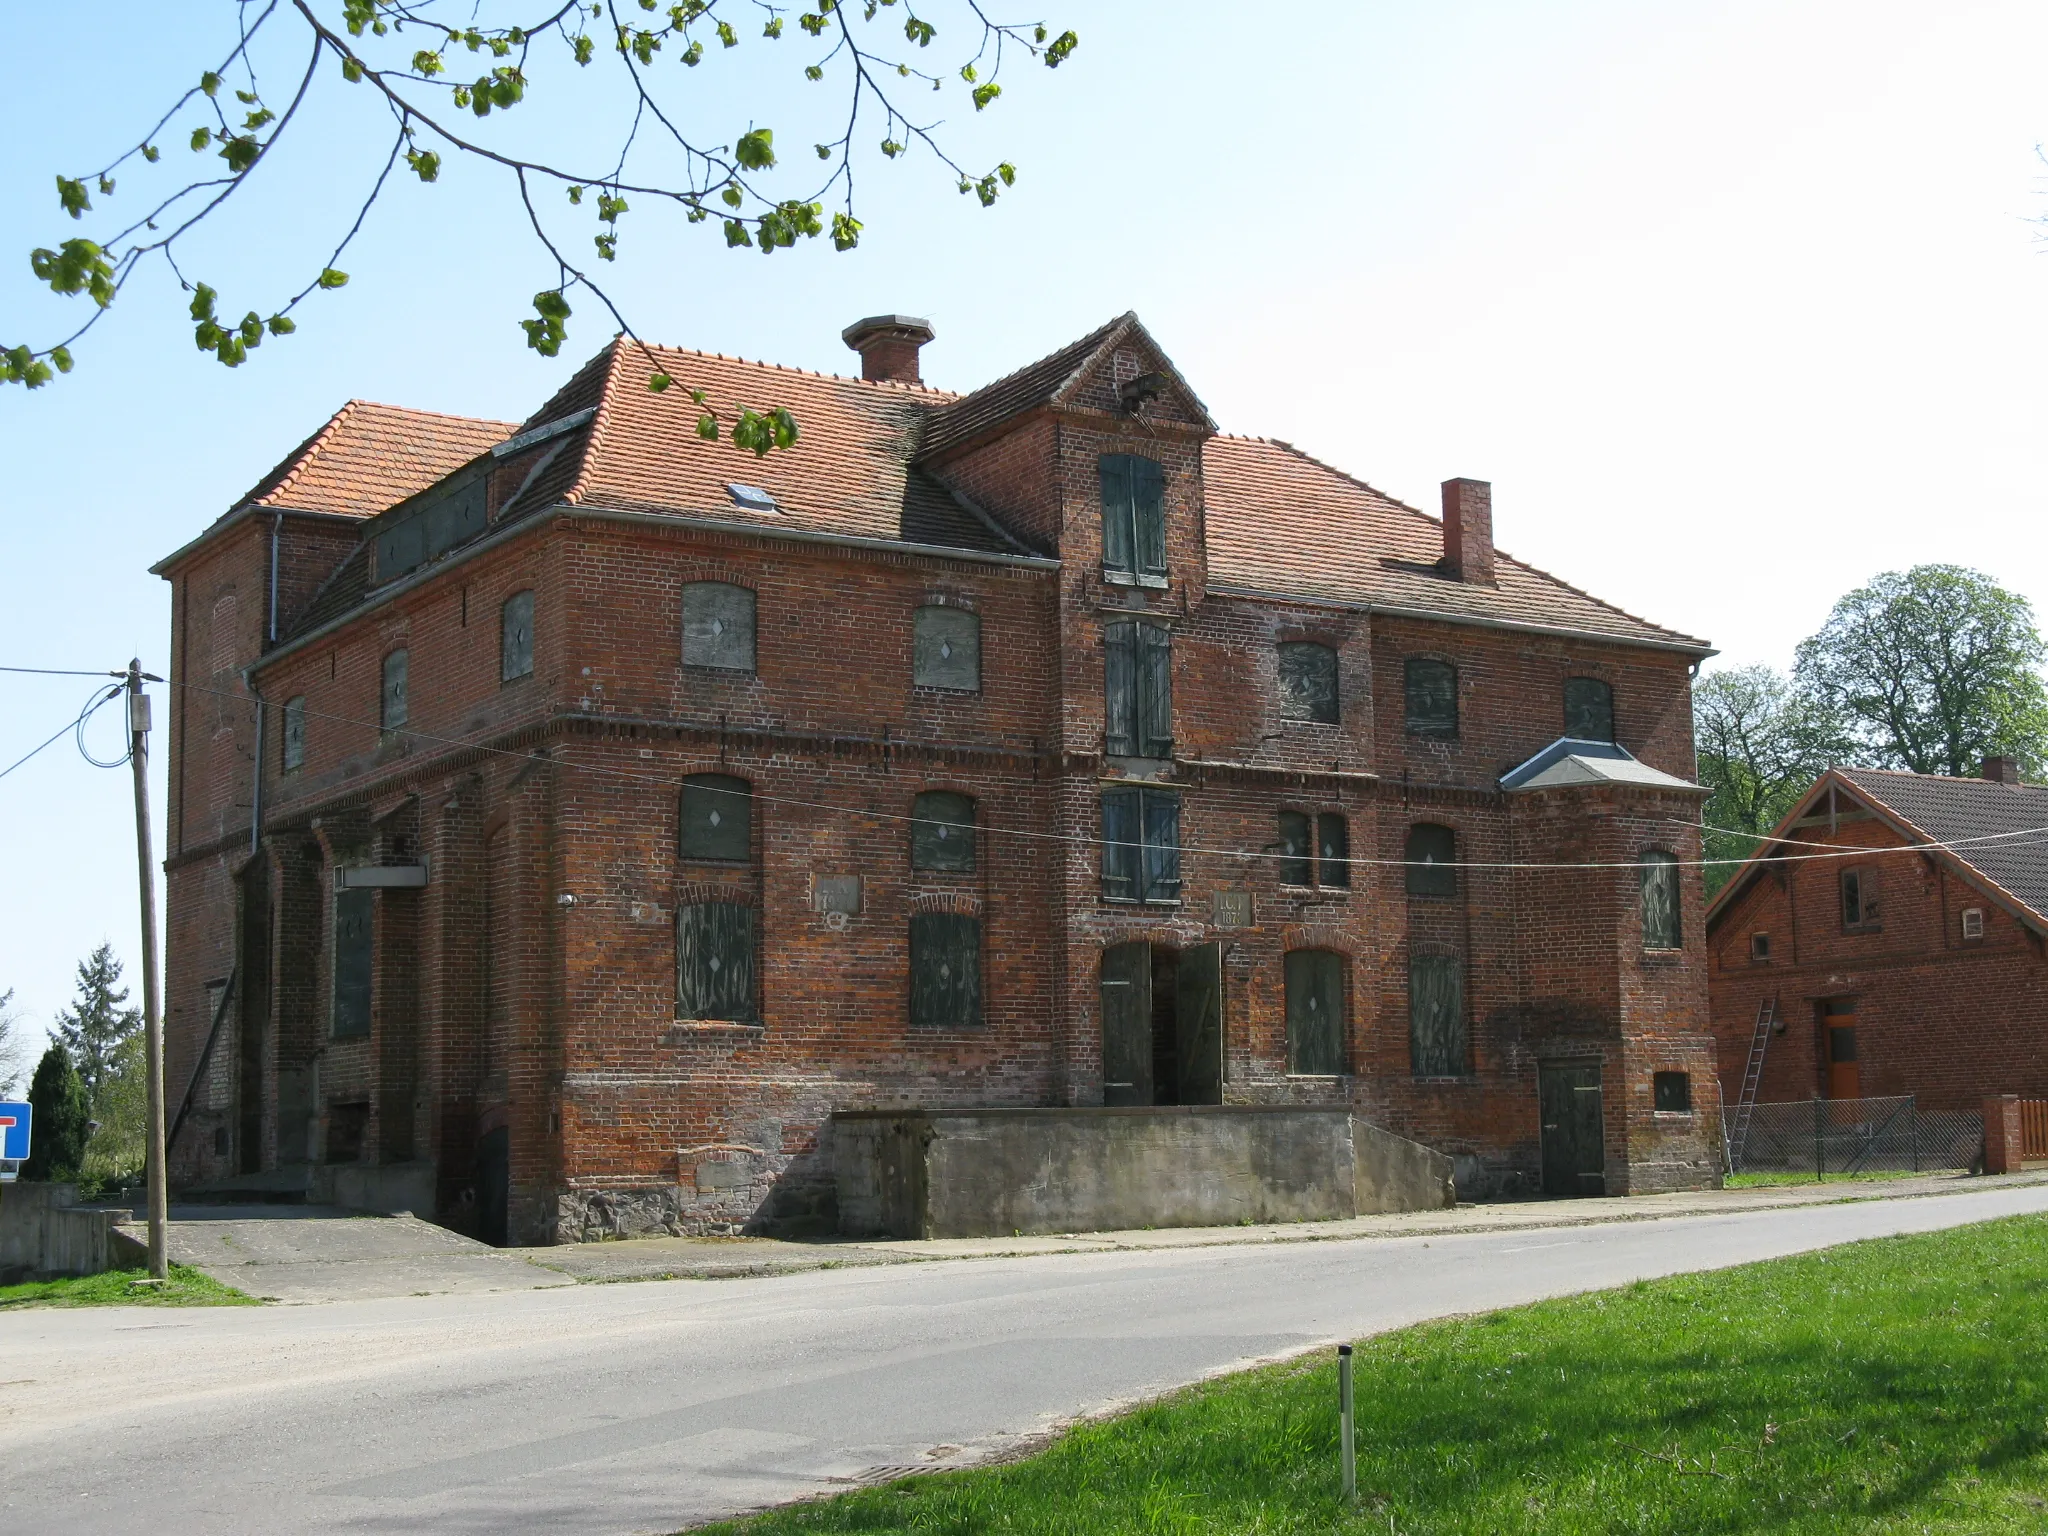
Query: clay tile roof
{"x": 1031, "y": 386}
{"x": 369, "y": 457}
{"x": 1959, "y": 810}
{"x": 1283, "y": 523}
{"x": 849, "y": 472}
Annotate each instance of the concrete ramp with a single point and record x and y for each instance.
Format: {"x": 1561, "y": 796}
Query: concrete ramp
{"x": 318, "y": 1253}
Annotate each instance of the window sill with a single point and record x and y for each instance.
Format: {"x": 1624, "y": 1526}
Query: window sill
{"x": 1320, "y": 1077}
{"x": 689, "y": 1031}
{"x": 686, "y": 858}
{"x": 1414, "y": 735}
{"x": 705, "y": 666}
{"x": 946, "y": 689}
{"x": 1132, "y": 579}
{"x": 507, "y": 682}
{"x": 1671, "y": 1114}
{"x": 1167, "y": 902}
{"x": 1448, "y": 1080}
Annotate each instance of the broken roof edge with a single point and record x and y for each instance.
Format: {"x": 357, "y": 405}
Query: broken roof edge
{"x": 503, "y": 533}
{"x": 1683, "y": 646}
{"x": 237, "y": 515}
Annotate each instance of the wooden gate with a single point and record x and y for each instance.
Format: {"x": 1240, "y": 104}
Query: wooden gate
{"x": 2034, "y": 1122}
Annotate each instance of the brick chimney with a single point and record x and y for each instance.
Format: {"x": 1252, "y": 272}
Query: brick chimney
{"x": 2002, "y": 770}
{"x": 1468, "y": 531}
{"x": 888, "y": 345}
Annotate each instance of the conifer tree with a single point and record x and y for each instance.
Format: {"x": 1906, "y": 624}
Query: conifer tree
{"x": 96, "y": 1025}
{"x": 58, "y": 1137}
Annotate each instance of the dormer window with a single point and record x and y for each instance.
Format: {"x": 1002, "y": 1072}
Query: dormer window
{"x": 752, "y": 497}
{"x": 1133, "y": 520}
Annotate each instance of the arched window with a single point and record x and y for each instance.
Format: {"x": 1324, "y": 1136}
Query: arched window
{"x": 1297, "y": 862}
{"x": 946, "y": 649}
{"x": 942, "y": 831}
{"x": 1432, "y": 857}
{"x": 1315, "y": 1013}
{"x": 1661, "y": 926}
{"x": 391, "y": 708}
{"x": 1431, "y": 697}
{"x": 1308, "y": 682}
{"x": 1133, "y": 518}
{"x": 515, "y": 641}
{"x": 1588, "y": 709}
{"x": 715, "y": 961}
{"x": 717, "y": 818}
{"x": 945, "y": 971}
{"x": 718, "y": 626}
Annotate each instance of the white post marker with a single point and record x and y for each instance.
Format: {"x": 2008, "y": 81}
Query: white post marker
{"x": 1349, "y": 1451}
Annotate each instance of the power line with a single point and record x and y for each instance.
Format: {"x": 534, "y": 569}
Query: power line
{"x": 57, "y": 672}
{"x": 76, "y": 726}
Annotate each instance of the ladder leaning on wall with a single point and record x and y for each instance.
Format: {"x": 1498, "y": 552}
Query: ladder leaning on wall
{"x": 1735, "y": 1131}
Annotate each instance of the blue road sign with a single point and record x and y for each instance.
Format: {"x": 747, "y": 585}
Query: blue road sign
{"x": 14, "y": 1124}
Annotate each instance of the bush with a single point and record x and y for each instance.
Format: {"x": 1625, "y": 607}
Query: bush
{"x": 58, "y": 1137}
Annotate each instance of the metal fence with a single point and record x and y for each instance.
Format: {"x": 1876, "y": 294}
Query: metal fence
{"x": 1842, "y": 1136}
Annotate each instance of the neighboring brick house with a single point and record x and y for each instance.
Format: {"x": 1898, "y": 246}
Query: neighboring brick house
{"x": 1914, "y": 968}
{"x": 629, "y": 804}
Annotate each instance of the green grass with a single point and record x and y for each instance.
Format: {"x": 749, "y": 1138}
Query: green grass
{"x": 1807, "y": 1180}
{"x": 117, "y": 1288}
{"x": 1891, "y": 1386}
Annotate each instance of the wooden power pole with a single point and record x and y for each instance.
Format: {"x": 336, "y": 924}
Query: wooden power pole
{"x": 152, "y": 1014}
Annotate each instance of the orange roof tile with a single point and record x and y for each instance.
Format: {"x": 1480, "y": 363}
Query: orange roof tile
{"x": 369, "y": 456}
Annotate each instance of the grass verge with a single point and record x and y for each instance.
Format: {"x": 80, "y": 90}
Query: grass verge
{"x": 118, "y": 1288}
{"x": 1888, "y": 1386}
{"x": 1808, "y": 1181}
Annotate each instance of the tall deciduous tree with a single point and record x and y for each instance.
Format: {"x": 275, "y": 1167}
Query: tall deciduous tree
{"x": 58, "y": 1136}
{"x": 432, "y": 82}
{"x": 1760, "y": 743}
{"x": 13, "y": 1047}
{"x": 1931, "y": 669}
{"x": 96, "y": 1025}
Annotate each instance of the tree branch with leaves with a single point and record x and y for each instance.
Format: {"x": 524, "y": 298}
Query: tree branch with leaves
{"x": 444, "y": 73}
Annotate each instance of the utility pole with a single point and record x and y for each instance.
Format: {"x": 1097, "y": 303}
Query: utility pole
{"x": 152, "y": 1015}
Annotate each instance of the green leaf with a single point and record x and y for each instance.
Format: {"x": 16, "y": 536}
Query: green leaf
{"x": 658, "y": 382}
{"x": 200, "y": 139}
{"x": 282, "y": 325}
{"x": 756, "y": 149}
{"x": 575, "y": 194}
{"x": 424, "y": 162}
{"x": 813, "y": 72}
{"x": 61, "y": 356}
{"x": 785, "y": 428}
{"x": 106, "y": 186}
{"x": 72, "y": 197}
{"x": 986, "y": 93}
{"x": 845, "y": 231}
{"x": 202, "y": 302}
{"x": 707, "y": 427}
{"x": 246, "y": 98}
{"x": 727, "y": 36}
{"x": 329, "y": 278}
{"x": 919, "y": 32}
{"x": 252, "y": 328}
{"x": 824, "y": 151}
{"x": 351, "y": 70}
{"x": 1064, "y": 44}
{"x": 209, "y": 82}
{"x": 736, "y": 233}
{"x": 731, "y": 195}
{"x": 546, "y": 334}
{"x": 773, "y": 29}
{"x": 150, "y": 153}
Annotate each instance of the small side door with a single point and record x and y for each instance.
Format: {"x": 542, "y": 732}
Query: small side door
{"x": 1838, "y": 1029}
{"x": 1198, "y": 1022}
{"x": 1127, "y": 1024}
{"x": 494, "y": 1187}
{"x": 1574, "y": 1129}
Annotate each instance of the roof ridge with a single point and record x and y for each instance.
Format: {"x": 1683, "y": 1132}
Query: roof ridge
{"x": 300, "y": 456}
{"x": 593, "y": 439}
{"x": 1093, "y": 341}
{"x": 415, "y": 410}
{"x": 1499, "y": 553}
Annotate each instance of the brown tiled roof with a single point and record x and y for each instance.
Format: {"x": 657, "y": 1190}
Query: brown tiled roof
{"x": 369, "y": 457}
{"x": 1283, "y": 523}
{"x": 1962, "y": 811}
{"x": 1033, "y": 385}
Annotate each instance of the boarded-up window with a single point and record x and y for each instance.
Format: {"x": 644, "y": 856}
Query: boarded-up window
{"x": 1308, "y": 682}
{"x": 1660, "y": 899}
{"x": 715, "y": 961}
{"x": 1315, "y": 1013}
{"x": 1297, "y": 863}
{"x": 1333, "y": 850}
{"x": 1432, "y": 860}
{"x": 222, "y": 634}
{"x": 1141, "y": 844}
{"x": 717, "y": 818}
{"x": 946, "y": 649}
{"x": 942, "y": 831}
{"x": 294, "y": 733}
{"x": 1137, "y": 690}
{"x": 352, "y": 910}
{"x": 1436, "y": 1014}
{"x": 429, "y": 528}
{"x": 1133, "y": 516}
{"x": 718, "y": 626}
{"x": 1671, "y": 1092}
{"x": 1432, "y": 697}
{"x": 393, "y": 711}
{"x": 945, "y": 971}
{"x": 1588, "y": 709}
{"x": 515, "y": 645}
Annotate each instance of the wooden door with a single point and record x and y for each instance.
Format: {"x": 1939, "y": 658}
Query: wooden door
{"x": 1198, "y": 1023}
{"x": 1574, "y": 1129}
{"x": 1838, "y": 1049}
{"x": 1127, "y": 1024}
{"x": 494, "y": 1187}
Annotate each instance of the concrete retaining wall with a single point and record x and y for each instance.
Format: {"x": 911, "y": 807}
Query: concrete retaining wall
{"x": 991, "y": 1172}
{"x": 44, "y": 1234}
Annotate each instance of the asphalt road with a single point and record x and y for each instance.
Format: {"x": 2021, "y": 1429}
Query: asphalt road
{"x": 649, "y": 1407}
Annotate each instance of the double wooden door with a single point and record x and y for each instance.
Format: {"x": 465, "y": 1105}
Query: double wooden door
{"x": 1162, "y": 1024}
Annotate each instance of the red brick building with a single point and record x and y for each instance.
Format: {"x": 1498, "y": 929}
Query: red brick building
{"x": 1908, "y": 968}
{"x": 568, "y": 816}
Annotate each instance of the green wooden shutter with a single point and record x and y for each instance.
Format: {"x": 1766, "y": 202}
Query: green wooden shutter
{"x": 1436, "y": 1015}
{"x": 1296, "y": 867}
{"x": 1120, "y": 690}
{"x": 1161, "y": 875}
{"x": 717, "y": 818}
{"x": 352, "y": 962}
{"x": 1315, "y": 1012}
{"x": 1119, "y": 545}
{"x": 1154, "y": 669}
{"x": 942, "y": 831}
{"x": 1127, "y": 1024}
{"x": 1121, "y": 844}
{"x": 715, "y": 961}
{"x": 515, "y": 645}
{"x": 1308, "y": 682}
{"x": 1333, "y": 850}
{"x": 946, "y": 649}
{"x": 945, "y": 971}
{"x": 718, "y": 626}
{"x": 1148, "y": 515}
{"x": 1432, "y": 697}
{"x": 1198, "y": 1024}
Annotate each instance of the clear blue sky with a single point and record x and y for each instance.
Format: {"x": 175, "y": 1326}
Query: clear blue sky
{"x": 1735, "y": 303}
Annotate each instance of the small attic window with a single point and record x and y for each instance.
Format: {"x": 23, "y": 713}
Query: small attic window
{"x": 752, "y": 497}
